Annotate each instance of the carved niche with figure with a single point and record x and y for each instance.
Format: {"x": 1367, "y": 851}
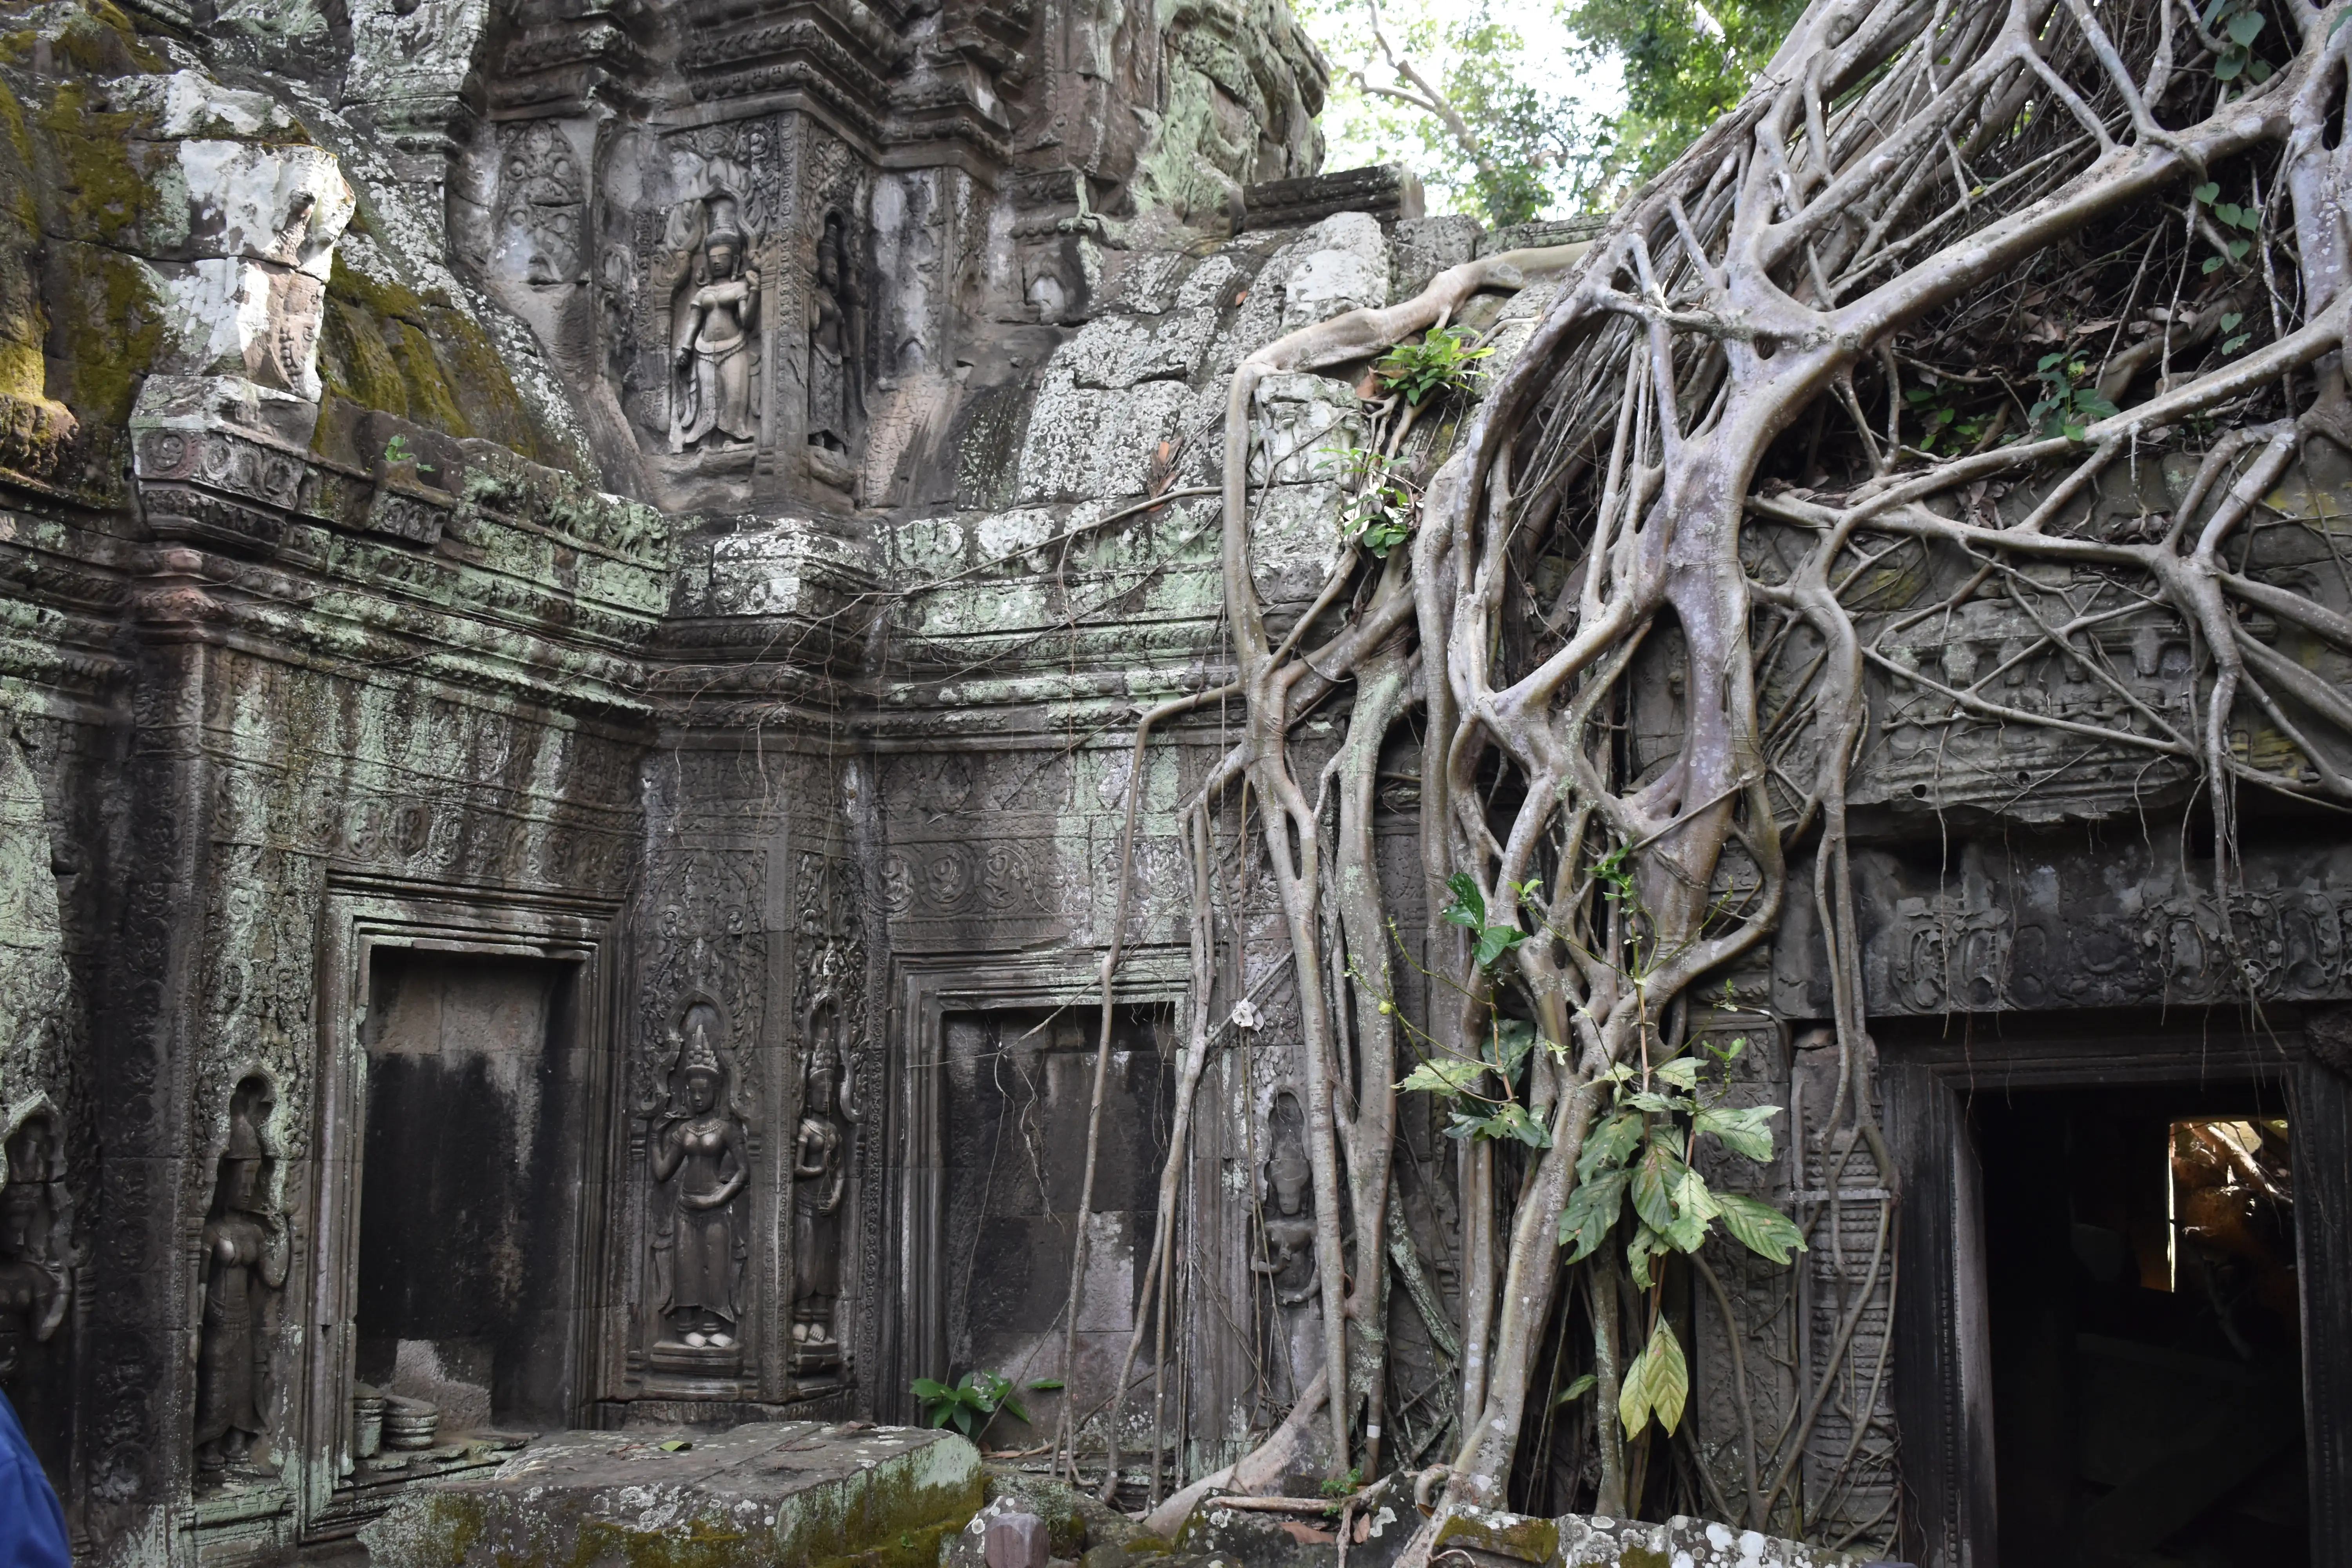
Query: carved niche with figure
{"x": 699, "y": 1158}
{"x": 714, "y": 341}
{"x": 820, "y": 1181}
{"x": 836, "y": 346}
{"x": 36, "y": 1241}
{"x": 247, "y": 1252}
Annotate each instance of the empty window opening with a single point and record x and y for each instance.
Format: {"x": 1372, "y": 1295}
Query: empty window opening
{"x": 467, "y": 1198}
{"x": 2145, "y": 1329}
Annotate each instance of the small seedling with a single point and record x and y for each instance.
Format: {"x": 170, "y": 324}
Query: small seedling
{"x": 1439, "y": 363}
{"x": 976, "y": 1399}
{"x": 397, "y": 451}
{"x": 2067, "y": 406}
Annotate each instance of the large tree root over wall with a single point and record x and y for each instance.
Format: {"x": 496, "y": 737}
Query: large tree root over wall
{"x": 1790, "y": 364}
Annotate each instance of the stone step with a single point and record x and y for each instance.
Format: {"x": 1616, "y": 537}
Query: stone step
{"x": 769, "y": 1493}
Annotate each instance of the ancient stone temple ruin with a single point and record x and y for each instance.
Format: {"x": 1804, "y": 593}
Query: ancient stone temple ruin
{"x": 580, "y": 582}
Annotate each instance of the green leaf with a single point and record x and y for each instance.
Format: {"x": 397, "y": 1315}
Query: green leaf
{"x": 927, "y": 1389}
{"x": 1590, "y": 1214}
{"x": 1515, "y": 1120}
{"x": 1758, "y": 1227}
{"x": 2212, "y": 265}
{"x": 943, "y": 1413}
{"x": 675, "y": 1445}
{"x": 2231, "y": 320}
{"x": 2249, "y": 218}
{"x": 2050, "y": 363}
{"x": 1513, "y": 1039}
{"x": 1495, "y": 941}
{"x": 1576, "y": 1391}
{"x": 2232, "y": 345}
{"x": 1511, "y": 1122}
{"x": 1448, "y": 1076}
{"x": 1654, "y": 1186}
{"x": 2207, "y": 192}
{"x": 1658, "y": 1104}
{"x": 1658, "y": 1383}
{"x": 2237, "y": 249}
{"x": 1469, "y": 906}
{"x": 1746, "y": 1131}
{"x": 2243, "y": 27}
{"x": 1044, "y": 1386}
{"x": 2227, "y": 212}
{"x": 1607, "y": 1144}
{"x": 1011, "y": 1407}
{"x": 1645, "y": 1245}
{"x": 2228, "y": 67}
{"x": 1694, "y": 1208}
{"x": 1682, "y": 1072}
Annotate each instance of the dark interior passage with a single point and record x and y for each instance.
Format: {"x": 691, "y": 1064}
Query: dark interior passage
{"x": 469, "y": 1193}
{"x": 2145, "y": 1329}
{"x": 1019, "y": 1088}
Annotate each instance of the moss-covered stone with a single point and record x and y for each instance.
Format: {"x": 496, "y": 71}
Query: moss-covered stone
{"x": 387, "y": 347}
{"x": 766, "y": 1493}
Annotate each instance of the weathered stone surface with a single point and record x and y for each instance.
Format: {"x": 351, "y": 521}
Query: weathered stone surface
{"x": 1583, "y": 1541}
{"x": 765, "y": 1494}
{"x": 1015, "y": 1539}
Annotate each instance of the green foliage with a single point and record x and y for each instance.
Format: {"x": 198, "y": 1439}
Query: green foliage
{"x": 1940, "y": 418}
{"x": 1575, "y": 1391}
{"x": 1534, "y": 140}
{"x": 1685, "y": 65}
{"x": 1345, "y": 1486}
{"x": 1657, "y": 1383}
{"x": 1638, "y": 1156}
{"x": 2070, "y": 402}
{"x": 975, "y": 1401}
{"x": 2230, "y": 215}
{"x": 1437, "y": 364}
{"x": 397, "y": 451}
{"x": 1468, "y": 910}
{"x": 1522, "y": 134}
{"x": 1381, "y": 511}
{"x": 2237, "y": 24}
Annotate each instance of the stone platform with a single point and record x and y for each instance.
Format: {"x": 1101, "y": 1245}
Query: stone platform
{"x": 777, "y": 1494}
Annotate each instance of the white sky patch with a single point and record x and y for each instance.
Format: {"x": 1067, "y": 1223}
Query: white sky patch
{"x": 1360, "y": 129}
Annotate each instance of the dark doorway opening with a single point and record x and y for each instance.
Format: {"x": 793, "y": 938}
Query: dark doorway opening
{"x": 2144, "y": 1327}
{"x": 1019, "y": 1086}
{"x": 470, "y": 1189}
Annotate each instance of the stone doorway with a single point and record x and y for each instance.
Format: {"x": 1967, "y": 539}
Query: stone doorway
{"x": 1019, "y": 1085}
{"x": 2143, "y": 1322}
{"x": 468, "y": 1194}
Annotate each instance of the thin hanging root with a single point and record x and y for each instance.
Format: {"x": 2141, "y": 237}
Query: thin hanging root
{"x": 1195, "y": 1060}
{"x": 1065, "y": 1435}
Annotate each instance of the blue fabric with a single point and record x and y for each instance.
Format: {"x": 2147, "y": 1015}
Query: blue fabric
{"x": 32, "y": 1525}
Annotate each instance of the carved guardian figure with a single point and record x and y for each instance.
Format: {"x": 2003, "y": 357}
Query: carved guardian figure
{"x": 711, "y": 330}
{"x": 819, "y": 1178}
{"x": 246, "y": 1255}
{"x": 1289, "y": 1263}
{"x": 836, "y": 395}
{"x": 705, "y": 1239}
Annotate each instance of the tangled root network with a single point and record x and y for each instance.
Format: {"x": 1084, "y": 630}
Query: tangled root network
{"x": 1858, "y": 360}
